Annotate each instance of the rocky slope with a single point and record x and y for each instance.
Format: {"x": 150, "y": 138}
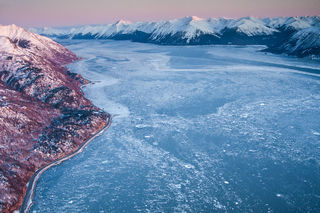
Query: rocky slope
{"x": 44, "y": 114}
{"x": 291, "y": 35}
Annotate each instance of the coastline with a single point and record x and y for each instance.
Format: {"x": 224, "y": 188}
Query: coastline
{"x": 45, "y": 114}
{"x": 27, "y": 201}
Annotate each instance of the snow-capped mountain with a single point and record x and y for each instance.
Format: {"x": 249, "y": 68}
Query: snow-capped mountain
{"x": 18, "y": 41}
{"x": 32, "y": 63}
{"x": 251, "y": 27}
{"x": 192, "y": 30}
{"x": 297, "y": 36}
{"x": 292, "y": 23}
{"x": 303, "y": 43}
{"x": 43, "y": 113}
{"x": 188, "y": 28}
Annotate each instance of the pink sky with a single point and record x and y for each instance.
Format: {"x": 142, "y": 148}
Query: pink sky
{"x": 77, "y": 12}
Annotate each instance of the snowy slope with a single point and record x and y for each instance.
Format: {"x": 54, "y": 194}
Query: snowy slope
{"x": 303, "y": 43}
{"x": 16, "y": 40}
{"x": 251, "y": 27}
{"x": 31, "y": 62}
{"x": 292, "y": 23}
{"x": 190, "y": 27}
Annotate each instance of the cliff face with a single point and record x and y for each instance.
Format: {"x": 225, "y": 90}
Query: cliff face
{"x": 43, "y": 112}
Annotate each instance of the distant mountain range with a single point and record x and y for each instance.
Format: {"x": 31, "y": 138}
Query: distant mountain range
{"x": 299, "y": 36}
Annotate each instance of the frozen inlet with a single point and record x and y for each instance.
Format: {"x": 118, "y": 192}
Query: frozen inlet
{"x": 210, "y": 128}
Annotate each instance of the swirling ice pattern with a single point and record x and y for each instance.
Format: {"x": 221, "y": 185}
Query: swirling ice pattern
{"x": 197, "y": 129}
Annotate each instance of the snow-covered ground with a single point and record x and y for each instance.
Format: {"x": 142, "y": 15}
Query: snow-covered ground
{"x": 198, "y": 129}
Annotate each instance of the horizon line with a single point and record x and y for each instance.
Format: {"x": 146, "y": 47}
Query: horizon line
{"x": 159, "y": 20}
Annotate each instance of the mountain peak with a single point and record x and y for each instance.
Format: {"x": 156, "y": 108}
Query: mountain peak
{"x": 196, "y": 18}
{"x": 191, "y": 18}
{"x": 121, "y": 21}
{"x": 6, "y": 30}
{"x": 21, "y": 41}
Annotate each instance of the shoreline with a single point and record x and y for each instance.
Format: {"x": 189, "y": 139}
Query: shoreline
{"x": 27, "y": 200}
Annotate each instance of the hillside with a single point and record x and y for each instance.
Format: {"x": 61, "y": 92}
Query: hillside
{"x": 44, "y": 114}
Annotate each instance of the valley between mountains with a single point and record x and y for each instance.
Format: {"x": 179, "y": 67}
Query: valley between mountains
{"x": 216, "y": 91}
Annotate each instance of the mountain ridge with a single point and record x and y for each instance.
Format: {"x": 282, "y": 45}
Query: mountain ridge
{"x": 43, "y": 112}
{"x": 275, "y": 33}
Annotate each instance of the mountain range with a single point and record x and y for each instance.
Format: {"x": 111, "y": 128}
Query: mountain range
{"x": 298, "y": 36}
